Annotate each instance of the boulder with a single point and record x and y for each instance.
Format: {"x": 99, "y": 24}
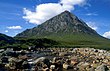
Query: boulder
{"x": 52, "y": 67}
{"x": 102, "y": 68}
{"x": 67, "y": 66}
{"x": 92, "y": 69}
{"x": 25, "y": 65}
{"x": 62, "y": 53}
{"x": 47, "y": 62}
{"x": 41, "y": 59}
{"x": 4, "y": 60}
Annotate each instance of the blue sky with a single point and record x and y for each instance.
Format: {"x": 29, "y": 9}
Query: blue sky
{"x": 18, "y": 15}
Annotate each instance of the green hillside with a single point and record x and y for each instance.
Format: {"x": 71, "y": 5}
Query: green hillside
{"x": 82, "y": 40}
{"x": 67, "y": 40}
{"x": 6, "y": 40}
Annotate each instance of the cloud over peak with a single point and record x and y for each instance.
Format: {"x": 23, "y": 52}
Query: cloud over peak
{"x": 46, "y": 11}
{"x": 107, "y": 34}
{"x": 6, "y": 31}
{"x": 92, "y": 25}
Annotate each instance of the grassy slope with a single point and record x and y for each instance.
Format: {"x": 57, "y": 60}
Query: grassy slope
{"x": 82, "y": 40}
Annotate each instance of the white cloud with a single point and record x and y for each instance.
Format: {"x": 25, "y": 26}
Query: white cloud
{"x": 92, "y": 25}
{"x": 14, "y": 27}
{"x": 72, "y": 2}
{"x": 91, "y": 14}
{"x": 6, "y": 31}
{"x": 46, "y": 11}
{"x": 107, "y": 34}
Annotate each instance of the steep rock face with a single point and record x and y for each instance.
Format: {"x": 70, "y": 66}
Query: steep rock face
{"x": 64, "y": 23}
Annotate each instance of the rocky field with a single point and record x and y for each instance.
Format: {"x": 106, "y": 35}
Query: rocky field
{"x": 55, "y": 59}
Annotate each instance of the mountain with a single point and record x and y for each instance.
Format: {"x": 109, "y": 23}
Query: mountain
{"x": 62, "y": 23}
{"x": 68, "y": 30}
{"x": 4, "y": 39}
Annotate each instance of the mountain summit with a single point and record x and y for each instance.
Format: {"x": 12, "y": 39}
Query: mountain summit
{"x": 64, "y": 23}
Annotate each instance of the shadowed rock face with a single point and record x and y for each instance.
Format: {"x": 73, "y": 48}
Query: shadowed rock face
{"x": 65, "y": 22}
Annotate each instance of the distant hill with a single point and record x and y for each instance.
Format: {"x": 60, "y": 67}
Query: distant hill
{"x": 68, "y": 30}
{"x": 4, "y": 40}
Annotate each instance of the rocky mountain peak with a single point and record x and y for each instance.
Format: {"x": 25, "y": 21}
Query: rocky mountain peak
{"x": 65, "y": 22}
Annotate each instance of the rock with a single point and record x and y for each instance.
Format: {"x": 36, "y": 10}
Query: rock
{"x": 62, "y": 53}
{"x": 1, "y": 50}
{"x": 92, "y": 69}
{"x": 4, "y": 60}
{"x": 54, "y": 59}
{"x": 74, "y": 60}
{"x": 46, "y": 61}
{"x": 102, "y": 68}
{"x": 84, "y": 64}
{"x": 94, "y": 65}
{"x": 41, "y": 59}
{"x": 58, "y": 65}
{"x": 45, "y": 68}
{"x": 52, "y": 67}
{"x": 25, "y": 65}
{"x": 75, "y": 69}
{"x": 105, "y": 60}
{"x": 18, "y": 63}
{"x": 65, "y": 66}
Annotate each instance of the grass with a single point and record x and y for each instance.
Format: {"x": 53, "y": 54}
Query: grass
{"x": 83, "y": 40}
{"x": 70, "y": 40}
